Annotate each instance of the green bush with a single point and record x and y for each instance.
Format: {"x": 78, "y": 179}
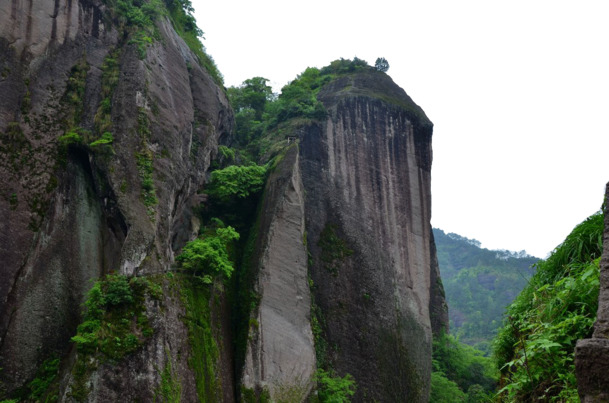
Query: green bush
{"x": 114, "y": 315}
{"x": 236, "y": 181}
{"x": 207, "y": 256}
{"x": 443, "y": 390}
{"x": 462, "y": 365}
{"x": 333, "y": 388}
{"x": 534, "y": 349}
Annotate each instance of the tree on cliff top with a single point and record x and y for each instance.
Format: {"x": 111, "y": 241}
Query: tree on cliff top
{"x": 381, "y": 64}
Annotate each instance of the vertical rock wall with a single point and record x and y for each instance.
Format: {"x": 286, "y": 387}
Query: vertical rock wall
{"x": 592, "y": 355}
{"x": 73, "y": 213}
{"x": 280, "y": 355}
{"x": 366, "y": 173}
{"x": 366, "y": 205}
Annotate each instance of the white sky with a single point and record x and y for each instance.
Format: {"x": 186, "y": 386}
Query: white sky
{"x": 518, "y": 92}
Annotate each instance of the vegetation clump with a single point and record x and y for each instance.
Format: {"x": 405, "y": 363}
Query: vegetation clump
{"x": 115, "y": 321}
{"x": 460, "y": 372}
{"x": 333, "y": 248}
{"x": 535, "y": 347}
{"x": 207, "y": 257}
{"x": 261, "y": 115}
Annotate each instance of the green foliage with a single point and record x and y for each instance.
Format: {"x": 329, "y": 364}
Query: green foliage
{"x": 110, "y": 75}
{"x": 334, "y": 389}
{"x": 479, "y": 285}
{"x": 137, "y": 19}
{"x": 261, "y": 118}
{"x": 443, "y": 390}
{"x": 226, "y": 153}
{"x": 253, "y": 94}
{"x": 205, "y": 351}
{"x": 207, "y": 256}
{"x": 236, "y": 181}
{"x": 462, "y": 365}
{"x": 70, "y": 137}
{"x": 106, "y": 139}
{"x": 333, "y": 248}
{"x": 145, "y": 169}
{"x": 75, "y": 90}
{"x": 170, "y": 389}
{"x": 346, "y": 66}
{"x": 381, "y": 64}
{"x": 249, "y": 101}
{"x": 181, "y": 15}
{"x": 534, "y": 349}
{"x": 115, "y": 323}
{"x": 44, "y": 387}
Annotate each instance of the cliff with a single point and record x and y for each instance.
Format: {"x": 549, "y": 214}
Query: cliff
{"x": 75, "y": 73}
{"x": 592, "y": 355}
{"x": 109, "y": 126}
{"x": 374, "y": 279}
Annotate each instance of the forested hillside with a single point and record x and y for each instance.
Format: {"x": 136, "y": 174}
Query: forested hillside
{"x": 479, "y": 284}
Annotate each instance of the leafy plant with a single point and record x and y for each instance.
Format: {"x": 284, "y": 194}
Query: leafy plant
{"x": 534, "y": 349}
{"x": 457, "y": 365}
{"x": 207, "y": 256}
{"x": 236, "y": 181}
{"x": 115, "y": 323}
{"x": 333, "y": 388}
{"x": 106, "y": 139}
{"x": 333, "y": 248}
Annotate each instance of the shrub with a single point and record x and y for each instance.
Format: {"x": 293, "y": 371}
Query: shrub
{"x": 236, "y": 181}
{"x": 208, "y": 256}
{"x": 534, "y": 349}
{"x": 333, "y": 388}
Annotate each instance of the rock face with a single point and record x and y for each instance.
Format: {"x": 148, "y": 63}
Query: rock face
{"x": 73, "y": 212}
{"x": 365, "y": 174}
{"x": 107, "y": 136}
{"x": 592, "y": 355}
{"x": 280, "y": 353}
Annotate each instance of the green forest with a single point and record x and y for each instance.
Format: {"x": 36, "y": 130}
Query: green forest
{"x": 479, "y": 285}
{"x": 528, "y": 341}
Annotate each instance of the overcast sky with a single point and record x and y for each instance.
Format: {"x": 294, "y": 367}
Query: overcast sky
{"x": 518, "y": 92}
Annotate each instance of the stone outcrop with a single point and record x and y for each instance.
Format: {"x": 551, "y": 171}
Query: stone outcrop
{"x": 365, "y": 175}
{"x": 72, "y": 213}
{"x": 280, "y": 352}
{"x": 592, "y": 355}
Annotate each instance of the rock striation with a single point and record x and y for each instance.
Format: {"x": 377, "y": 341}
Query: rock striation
{"x": 71, "y": 213}
{"x": 365, "y": 174}
{"x": 107, "y": 136}
{"x": 280, "y": 355}
{"x": 592, "y": 355}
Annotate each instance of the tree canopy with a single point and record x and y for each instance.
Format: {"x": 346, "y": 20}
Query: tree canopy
{"x": 381, "y": 64}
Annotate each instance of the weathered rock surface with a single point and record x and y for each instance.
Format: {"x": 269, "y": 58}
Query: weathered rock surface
{"x": 68, "y": 217}
{"x": 366, "y": 173}
{"x": 592, "y": 355}
{"x": 280, "y": 352}
{"x": 344, "y": 225}
{"x": 366, "y": 202}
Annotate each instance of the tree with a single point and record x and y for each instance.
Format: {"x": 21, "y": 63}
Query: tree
{"x": 381, "y": 64}
{"x": 253, "y": 93}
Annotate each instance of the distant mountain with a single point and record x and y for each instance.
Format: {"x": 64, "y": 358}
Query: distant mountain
{"x": 479, "y": 285}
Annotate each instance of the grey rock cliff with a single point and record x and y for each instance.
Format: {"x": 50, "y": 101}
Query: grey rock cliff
{"x": 367, "y": 177}
{"x": 280, "y": 353}
{"x": 592, "y": 355}
{"x": 68, "y": 217}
